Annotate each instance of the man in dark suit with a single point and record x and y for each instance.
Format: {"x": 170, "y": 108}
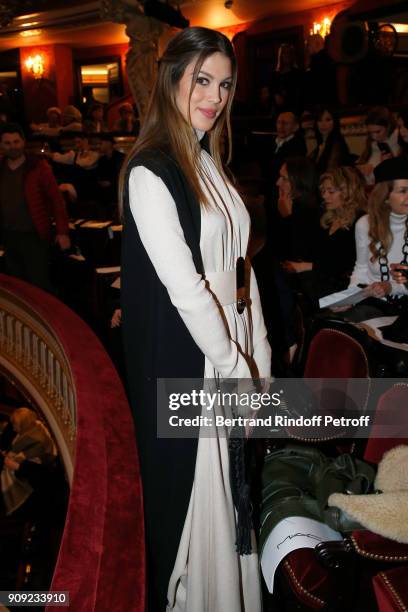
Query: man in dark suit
{"x": 288, "y": 142}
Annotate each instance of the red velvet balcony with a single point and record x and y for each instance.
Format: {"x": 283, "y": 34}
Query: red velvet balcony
{"x": 53, "y": 357}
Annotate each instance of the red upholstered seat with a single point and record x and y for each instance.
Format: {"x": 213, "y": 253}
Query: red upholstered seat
{"x": 391, "y": 590}
{"x": 390, "y": 585}
{"x": 314, "y": 585}
{"x": 373, "y": 546}
{"x": 335, "y": 354}
{"x": 310, "y": 581}
{"x": 332, "y": 354}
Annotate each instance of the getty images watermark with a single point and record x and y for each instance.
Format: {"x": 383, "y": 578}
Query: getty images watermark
{"x": 302, "y": 408}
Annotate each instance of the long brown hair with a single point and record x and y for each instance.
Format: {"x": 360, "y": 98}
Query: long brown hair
{"x": 165, "y": 128}
{"x": 378, "y": 115}
{"x": 352, "y": 187}
{"x": 379, "y": 218}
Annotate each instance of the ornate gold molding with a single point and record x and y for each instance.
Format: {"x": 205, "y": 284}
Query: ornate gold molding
{"x": 31, "y": 353}
{"x": 141, "y": 59}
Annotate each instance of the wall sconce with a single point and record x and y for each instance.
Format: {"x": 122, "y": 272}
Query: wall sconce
{"x": 322, "y": 27}
{"x": 36, "y": 66}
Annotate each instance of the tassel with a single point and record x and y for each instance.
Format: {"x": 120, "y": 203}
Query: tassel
{"x": 240, "y": 490}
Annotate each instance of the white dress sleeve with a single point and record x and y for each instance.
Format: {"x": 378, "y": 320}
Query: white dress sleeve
{"x": 157, "y": 221}
{"x": 261, "y": 349}
{"x": 360, "y": 272}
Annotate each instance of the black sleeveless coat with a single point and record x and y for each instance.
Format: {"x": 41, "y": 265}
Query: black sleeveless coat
{"x": 158, "y": 345}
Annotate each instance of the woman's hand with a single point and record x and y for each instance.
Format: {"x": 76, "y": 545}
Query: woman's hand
{"x": 285, "y": 204}
{"x": 378, "y": 290}
{"x": 297, "y": 266}
{"x": 397, "y": 275}
{"x": 116, "y": 319}
{"x": 11, "y": 464}
{"x": 340, "y": 308}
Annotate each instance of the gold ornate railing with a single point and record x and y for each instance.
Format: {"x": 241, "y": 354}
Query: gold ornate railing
{"x": 33, "y": 359}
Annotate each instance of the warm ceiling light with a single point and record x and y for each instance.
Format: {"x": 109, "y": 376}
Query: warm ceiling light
{"x": 30, "y": 33}
{"x": 321, "y": 27}
{"x": 35, "y": 65}
{"x": 94, "y": 71}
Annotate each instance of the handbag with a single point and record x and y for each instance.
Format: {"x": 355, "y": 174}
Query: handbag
{"x": 298, "y": 480}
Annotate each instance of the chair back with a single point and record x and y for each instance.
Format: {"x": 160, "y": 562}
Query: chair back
{"x": 391, "y": 413}
{"x": 336, "y": 353}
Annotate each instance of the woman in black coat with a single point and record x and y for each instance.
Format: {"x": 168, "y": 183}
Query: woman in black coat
{"x": 186, "y": 233}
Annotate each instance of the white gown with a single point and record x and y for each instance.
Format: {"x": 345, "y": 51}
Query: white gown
{"x": 209, "y": 575}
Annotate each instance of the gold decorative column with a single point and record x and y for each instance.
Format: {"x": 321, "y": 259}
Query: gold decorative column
{"x": 141, "y": 60}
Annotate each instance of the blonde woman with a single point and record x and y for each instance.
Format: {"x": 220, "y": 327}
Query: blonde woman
{"x": 343, "y": 195}
{"x": 185, "y": 239}
{"x": 382, "y": 236}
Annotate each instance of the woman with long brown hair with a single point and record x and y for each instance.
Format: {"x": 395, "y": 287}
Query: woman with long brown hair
{"x": 381, "y": 143}
{"x": 331, "y": 150}
{"x": 185, "y": 239}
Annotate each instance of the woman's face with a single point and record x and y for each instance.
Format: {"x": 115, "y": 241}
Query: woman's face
{"x": 210, "y": 94}
{"x": 398, "y": 198}
{"x": 378, "y": 133}
{"x": 325, "y": 124}
{"x": 403, "y": 130}
{"x": 283, "y": 182}
{"x": 332, "y": 197}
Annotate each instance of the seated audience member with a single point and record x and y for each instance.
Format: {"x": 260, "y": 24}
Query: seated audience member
{"x": 293, "y": 238}
{"x": 331, "y": 150}
{"x": 32, "y": 445}
{"x": 29, "y": 201}
{"x": 298, "y": 209}
{"x": 71, "y": 119}
{"x": 127, "y": 122}
{"x": 403, "y": 133}
{"x": 82, "y": 155}
{"x": 344, "y": 198}
{"x": 95, "y": 122}
{"x": 289, "y": 142}
{"x": 53, "y": 125}
{"x": 381, "y": 241}
{"x": 382, "y": 141}
{"x": 109, "y": 165}
{"x": 83, "y": 163}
